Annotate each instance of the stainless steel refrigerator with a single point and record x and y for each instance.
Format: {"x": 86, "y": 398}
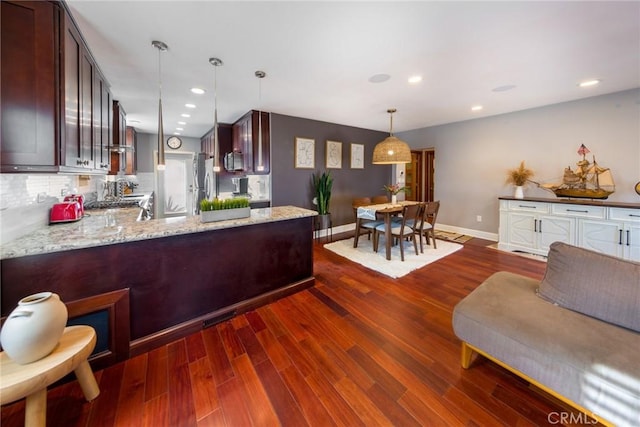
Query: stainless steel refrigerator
{"x": 202, "y": 180}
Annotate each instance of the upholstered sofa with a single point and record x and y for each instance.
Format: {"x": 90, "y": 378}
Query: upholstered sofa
{"x": 575, "y": 334}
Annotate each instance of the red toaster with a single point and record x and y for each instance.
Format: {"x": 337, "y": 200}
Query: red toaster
{"x": 65, "y": 212}
{"x": 76, "y": 198}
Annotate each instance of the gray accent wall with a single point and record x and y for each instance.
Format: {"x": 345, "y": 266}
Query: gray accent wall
{"x": 291, "y": 186}
{"x": 472, "y": 157}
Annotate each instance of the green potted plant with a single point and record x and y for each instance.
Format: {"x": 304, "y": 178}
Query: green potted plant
{"x": 322, "y": 184}
{"x": 223, "y": 209}
{"x": 519, "y": 177}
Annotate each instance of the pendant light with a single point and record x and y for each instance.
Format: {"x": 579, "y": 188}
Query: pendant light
{"x": 161, "y": 48}
{"x": 216, "y": 62}
{"x": 392, "y": 150}
{"x": 260, "y": 75}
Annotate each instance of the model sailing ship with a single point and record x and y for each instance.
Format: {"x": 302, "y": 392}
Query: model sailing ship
{"x": 588, "y": 181}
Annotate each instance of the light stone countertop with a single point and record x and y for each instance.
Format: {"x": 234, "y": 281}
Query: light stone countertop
{"x": 111, "y": 226}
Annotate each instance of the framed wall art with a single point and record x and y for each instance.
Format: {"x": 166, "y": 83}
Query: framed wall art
{"x": 334, "y": 155}
{"x": 304, "y": 153}
{"x": 357, "y": 156}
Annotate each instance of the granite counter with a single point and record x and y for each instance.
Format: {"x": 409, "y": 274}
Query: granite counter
{"x": 111, "y": 226}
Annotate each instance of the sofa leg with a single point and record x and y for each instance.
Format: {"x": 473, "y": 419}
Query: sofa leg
{"x": 467, "y": 353}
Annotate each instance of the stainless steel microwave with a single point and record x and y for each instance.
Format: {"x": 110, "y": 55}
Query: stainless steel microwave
{"x": 234, "y": 161}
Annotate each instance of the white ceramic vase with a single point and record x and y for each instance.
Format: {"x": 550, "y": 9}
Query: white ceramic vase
{"x": 394, "y": 198}
{"x": 519, "y": 193}
{"x": 34, "y": 327}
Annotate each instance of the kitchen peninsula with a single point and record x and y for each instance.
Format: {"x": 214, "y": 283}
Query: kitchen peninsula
{"x": 179, "y": 275}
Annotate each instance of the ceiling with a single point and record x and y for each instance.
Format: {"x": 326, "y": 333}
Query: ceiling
{"x": 319, "y": 57}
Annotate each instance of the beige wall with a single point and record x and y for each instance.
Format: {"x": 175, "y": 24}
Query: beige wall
{"x": 472, "y": 157}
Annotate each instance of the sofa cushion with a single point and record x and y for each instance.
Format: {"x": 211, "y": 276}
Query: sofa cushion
{"x": 594, "y": 284}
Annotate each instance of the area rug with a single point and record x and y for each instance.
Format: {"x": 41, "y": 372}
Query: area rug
{"x": 453, "y": 237}
{"x": 395, "y": 268}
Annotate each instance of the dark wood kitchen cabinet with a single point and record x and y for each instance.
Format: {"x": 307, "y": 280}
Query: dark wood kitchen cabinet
{"x": 29, "y": 81}
{"x": 102, "y": 113}
{"x": 251, "y": 136}
{"x": 123, "y": 153}
{"x": 78, "y": 100}
{"x": 131, "y": 156}
{"x": 225, "y": 140}
{"x": 49, "y": 83}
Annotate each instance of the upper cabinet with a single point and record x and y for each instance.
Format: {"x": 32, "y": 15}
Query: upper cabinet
{"x": 225, "y": 142}
{"x": 78, "y": 100}
{"x": 125, "y": 142}
{"x": 102, "y": 112}
{"x": 29, "y": 82}
{"x": 131, "y": 154}
{"x": 55, "y": 105}
{"x": 251, "y": 137}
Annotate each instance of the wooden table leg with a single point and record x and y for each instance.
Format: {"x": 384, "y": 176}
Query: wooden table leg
{"x": 355, "y": 239}
{"x": 87, "y": 381}
{"x": 387, "y": 234}
{"x": 35, "y": 409}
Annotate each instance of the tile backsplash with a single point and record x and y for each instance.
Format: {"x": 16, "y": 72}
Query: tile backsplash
{"x": 25, "y": 199}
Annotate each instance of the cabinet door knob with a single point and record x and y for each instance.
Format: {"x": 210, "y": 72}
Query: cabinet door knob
{"x": 620, "y": 238}
{"x": 628, "y": 238}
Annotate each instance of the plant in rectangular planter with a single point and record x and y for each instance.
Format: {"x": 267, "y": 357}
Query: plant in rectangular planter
{"x": 220, "y": 210}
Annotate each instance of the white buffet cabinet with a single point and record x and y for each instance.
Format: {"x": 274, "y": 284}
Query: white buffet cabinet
{"x": 532, "y": 224}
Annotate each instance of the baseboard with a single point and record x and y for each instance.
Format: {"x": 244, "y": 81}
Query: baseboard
{"x": 165, "y": 336}
{"x": 468, "y": 231}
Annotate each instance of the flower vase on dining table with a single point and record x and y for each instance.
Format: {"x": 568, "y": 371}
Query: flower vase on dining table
{"x": 394, "y": 198}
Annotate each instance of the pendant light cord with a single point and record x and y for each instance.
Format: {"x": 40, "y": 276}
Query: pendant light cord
{"x": 161, "y": 160}
{"x": 159, "y": 74}
{"x": 215, "y": 114}
{"x": 216, "y": 62}
{"x": 260, "y": 75}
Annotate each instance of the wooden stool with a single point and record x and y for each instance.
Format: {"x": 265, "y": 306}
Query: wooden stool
{"x": 31, "y": 380}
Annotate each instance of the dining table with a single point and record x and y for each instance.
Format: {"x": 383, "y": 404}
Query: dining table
{"x": 373, "y": 212}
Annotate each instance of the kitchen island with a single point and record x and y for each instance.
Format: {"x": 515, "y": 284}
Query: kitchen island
{"x": 179, "y": 274}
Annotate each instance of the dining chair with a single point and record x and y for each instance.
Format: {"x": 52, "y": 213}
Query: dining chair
{"x": 428, "y": 223}
{"x": 362, "y": 201}
{"x": 401, "y": 230}
{"x": 379, "y": 200}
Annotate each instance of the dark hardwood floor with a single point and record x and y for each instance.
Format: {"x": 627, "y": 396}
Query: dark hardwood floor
{"x": 358, "y": 349}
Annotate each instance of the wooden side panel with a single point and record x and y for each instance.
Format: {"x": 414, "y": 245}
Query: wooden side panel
{"x": 172, "y": 279}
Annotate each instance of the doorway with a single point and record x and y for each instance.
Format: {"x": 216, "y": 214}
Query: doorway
{"x": 176, "y": 189}
{"x": 419, "y": 175}
{"x": 413, "y": 177}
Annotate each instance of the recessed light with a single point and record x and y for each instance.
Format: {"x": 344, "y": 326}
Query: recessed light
{"x": 179, "y": 128}
{"x": 588, "y": 83}
{"x": 415, "y": 79}
{"x": 182, "y": 123}
{"x": 503, "y": 88}
{"x": 176, "y": 133}
{"x": 379, "y": 78}
{"x": 185, "y": 115}
{"x": 190, "y": 105}
{"x": 197, "y": 90}
{"x": 133, "y": 121}
{"x": 476, "y": 108}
